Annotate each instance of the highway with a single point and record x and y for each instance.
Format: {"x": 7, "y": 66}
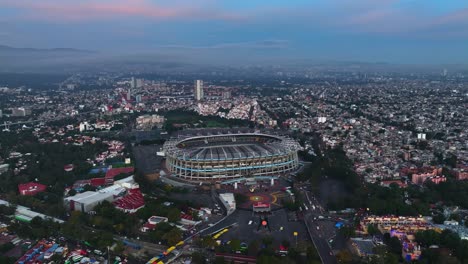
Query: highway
{"x": 318, "y": 235}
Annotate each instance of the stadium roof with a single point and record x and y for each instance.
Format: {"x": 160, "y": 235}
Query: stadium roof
{"x": 229, "y": 146}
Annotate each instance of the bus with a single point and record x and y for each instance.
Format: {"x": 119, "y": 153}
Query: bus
{"x": 216, "y": 236}
{"x": 153, "y": 260}
{"x": 168, "y": 251}
{"x": 179, "y": 244}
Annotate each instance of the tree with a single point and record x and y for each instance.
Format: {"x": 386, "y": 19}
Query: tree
{"x": 372, "y": 230}
{"x": 235, "y": 244}
{"x": 198, "y": 258}
{"x": 347, "y": 231}
{"x": 449, "y": 239}
{"x": 394, "y": 245}
{"x": 267, "y": 240}
{"x": 285, "y": 243}
{"x": 240, "y": 198}
{"x": 220, "y": 260}
{"x": 6, "y": 247}
{"x": 344, "y": 256}
{"x": 438, "y": 218}
{"x": 173, "y": 215}
{"x": 391, "y": 258}
{"x": 312, "y": 254}
{"x": 253, "y": 248}
{"x": 451, "y": 161}
{"x": 208, "y": 242}
{"x": 7, "y": 260}
{"x": 7, "y": 210}
{"x": 428, "y": 238}
{"x": 173, "y": 237}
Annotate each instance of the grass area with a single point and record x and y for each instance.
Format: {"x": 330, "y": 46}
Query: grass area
{"x": 193, "y": 119}
{"x": 215, "y": 124}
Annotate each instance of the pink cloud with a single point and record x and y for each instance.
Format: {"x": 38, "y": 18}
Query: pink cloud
{"x": 457, "y": 17}
{"x": 104, "y": 9}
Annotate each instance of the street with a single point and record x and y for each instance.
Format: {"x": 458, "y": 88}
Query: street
{"x": 313, "y": 211}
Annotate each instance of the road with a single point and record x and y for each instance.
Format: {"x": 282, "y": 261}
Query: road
{"x": 146, "y": 159}
{"x": 318, "y": 235}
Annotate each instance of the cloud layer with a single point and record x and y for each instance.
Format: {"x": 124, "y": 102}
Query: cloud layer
{"x": 294, "y": 25}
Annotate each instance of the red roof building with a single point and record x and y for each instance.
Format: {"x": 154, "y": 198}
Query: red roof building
{"x": 111, "y": 173}
{"x": 131, "y": 202}
{"x": 31, "y": 188}
{"x": 398, "y": 182}
{"x": 68, "y": 167}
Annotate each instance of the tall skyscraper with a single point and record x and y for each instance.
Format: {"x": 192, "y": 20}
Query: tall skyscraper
{"x": 226, "y": 95}
{"x": 133, "y": 83}
{"x": 129, "y": 95}
{"x": 198, "y": 92}
{"x": 139, "y": 83}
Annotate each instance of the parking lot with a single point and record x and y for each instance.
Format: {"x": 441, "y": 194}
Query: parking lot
{"x": 281, "y": 228}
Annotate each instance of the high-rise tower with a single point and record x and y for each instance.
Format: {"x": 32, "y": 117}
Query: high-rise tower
{"x": 198, "y": 92}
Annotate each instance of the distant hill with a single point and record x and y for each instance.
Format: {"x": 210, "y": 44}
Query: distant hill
{"x": 5, "y": 49}
{"x": 34, "y": 59}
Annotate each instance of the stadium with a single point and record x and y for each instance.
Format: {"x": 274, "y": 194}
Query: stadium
{"x": 224, "y": 156}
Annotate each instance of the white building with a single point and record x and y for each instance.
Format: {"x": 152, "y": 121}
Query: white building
{"x": 422, "y": 136}
{"x": 85, "y": 126}
{"x": 85, "y": 202}
{"x": 20, "y": 111}
{"x": 198, "y": 92}
{"x": 129, "y": 95}
{"x": 139, "y": 83}
{"x": 228, "y": 201}
{"x": 4, "y": 168}
{"x": 133, "y": 82}
{"x": 149, "y": 121}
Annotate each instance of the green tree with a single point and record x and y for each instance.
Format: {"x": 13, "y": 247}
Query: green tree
{"x": 312, "y": 254}
{"x": 372, "y": 230}
{"x": 438, "y": 218}
{"x": 173, "y": 237}
{"x": 347, "y": 231}
{"x": 220, "y": 260}
{"x": 344, "y": 256}
{"x": 428, "y": 238}
{"x": 173, "y": 215}
{"x": 253, "y": 248}
{"x": 267, "y": 240}
{"x": 208, "y": 242}
{"x": 391, "y": 258}
{"x": 198, "y": 258}
{"x": 394, "y": 245}
{"x": 235, "y": 244}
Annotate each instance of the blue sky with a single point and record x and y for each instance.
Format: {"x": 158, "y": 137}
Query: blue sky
{"x": 400, "y": 31}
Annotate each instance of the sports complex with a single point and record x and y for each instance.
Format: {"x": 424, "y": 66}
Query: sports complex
{"x": 218, "y": 156}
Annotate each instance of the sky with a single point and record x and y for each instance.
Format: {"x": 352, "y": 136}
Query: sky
{"x": 393, "y": 31}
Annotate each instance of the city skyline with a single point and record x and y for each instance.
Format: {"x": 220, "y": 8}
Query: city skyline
{"x": 394, "y": 31}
